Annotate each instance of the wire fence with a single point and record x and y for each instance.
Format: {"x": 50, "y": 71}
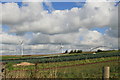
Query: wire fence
{"x": 51, "y": 72}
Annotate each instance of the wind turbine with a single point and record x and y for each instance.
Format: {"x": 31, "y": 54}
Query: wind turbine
{"x": 22, "y": 49}
{"x": 61, "y": 47}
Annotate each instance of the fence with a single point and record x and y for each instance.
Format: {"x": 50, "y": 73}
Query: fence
{"x": 33, "y": 73}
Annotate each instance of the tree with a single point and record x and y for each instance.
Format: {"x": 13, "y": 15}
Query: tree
{"x": 75, "y": 51}
{"x": 71, "y": 51}
{"x": 99, "y": 50}
{"x": 79, "y": 51}
{"x": 66, "y": 51}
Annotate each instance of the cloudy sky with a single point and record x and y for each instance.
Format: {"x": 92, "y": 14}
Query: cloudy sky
{"x": 44, "y": 26}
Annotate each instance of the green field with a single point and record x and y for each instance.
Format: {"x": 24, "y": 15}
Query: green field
{"x": 68, "y": 69}
{"x": 61, "y": 57}
{"x": 76, "y": 65}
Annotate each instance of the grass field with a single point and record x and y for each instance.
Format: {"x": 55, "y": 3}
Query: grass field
{"x": 4, "y": 57}
{"x": 76, "y": 65}
{"x": 59, "y": 57}
{"x": 68, "y": 69}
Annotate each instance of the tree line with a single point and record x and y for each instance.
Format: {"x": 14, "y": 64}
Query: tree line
{"x": 73, "y": 51}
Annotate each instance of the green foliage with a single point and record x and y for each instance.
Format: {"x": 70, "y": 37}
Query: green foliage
{"x": 79, "y": 51}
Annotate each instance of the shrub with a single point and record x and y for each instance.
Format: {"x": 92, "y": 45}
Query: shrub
{"x": 75, "y": 51}
{"x": 71, "y": 51}
{"x": 66, "y": 51}
{"x": 79, "y": 51}
{"x": 99, "y": 50}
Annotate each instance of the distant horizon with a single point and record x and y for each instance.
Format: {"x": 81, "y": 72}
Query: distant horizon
{"x": 51, "y": 53}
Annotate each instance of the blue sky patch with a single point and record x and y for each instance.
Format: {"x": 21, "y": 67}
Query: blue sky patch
{"x": 5, "y": 28}
{"x": 100, "y": 29}
{"x": 67, "y": 5}
{"x": 63, "y": 5}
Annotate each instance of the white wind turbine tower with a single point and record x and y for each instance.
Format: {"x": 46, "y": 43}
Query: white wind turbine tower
{"x": 61, "y": 47}
{"x": 21, "y": 44}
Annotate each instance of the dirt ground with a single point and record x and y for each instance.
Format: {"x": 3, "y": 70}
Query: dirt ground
{"x": 24, "y": 64}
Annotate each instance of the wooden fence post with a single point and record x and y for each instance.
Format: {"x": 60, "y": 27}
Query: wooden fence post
{"x": 106, "y": 73}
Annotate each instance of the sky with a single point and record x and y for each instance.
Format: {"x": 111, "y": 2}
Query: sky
{"x": 45, "y": 26}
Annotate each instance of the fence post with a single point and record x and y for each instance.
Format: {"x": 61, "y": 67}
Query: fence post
{"x": 106, "y": 73}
